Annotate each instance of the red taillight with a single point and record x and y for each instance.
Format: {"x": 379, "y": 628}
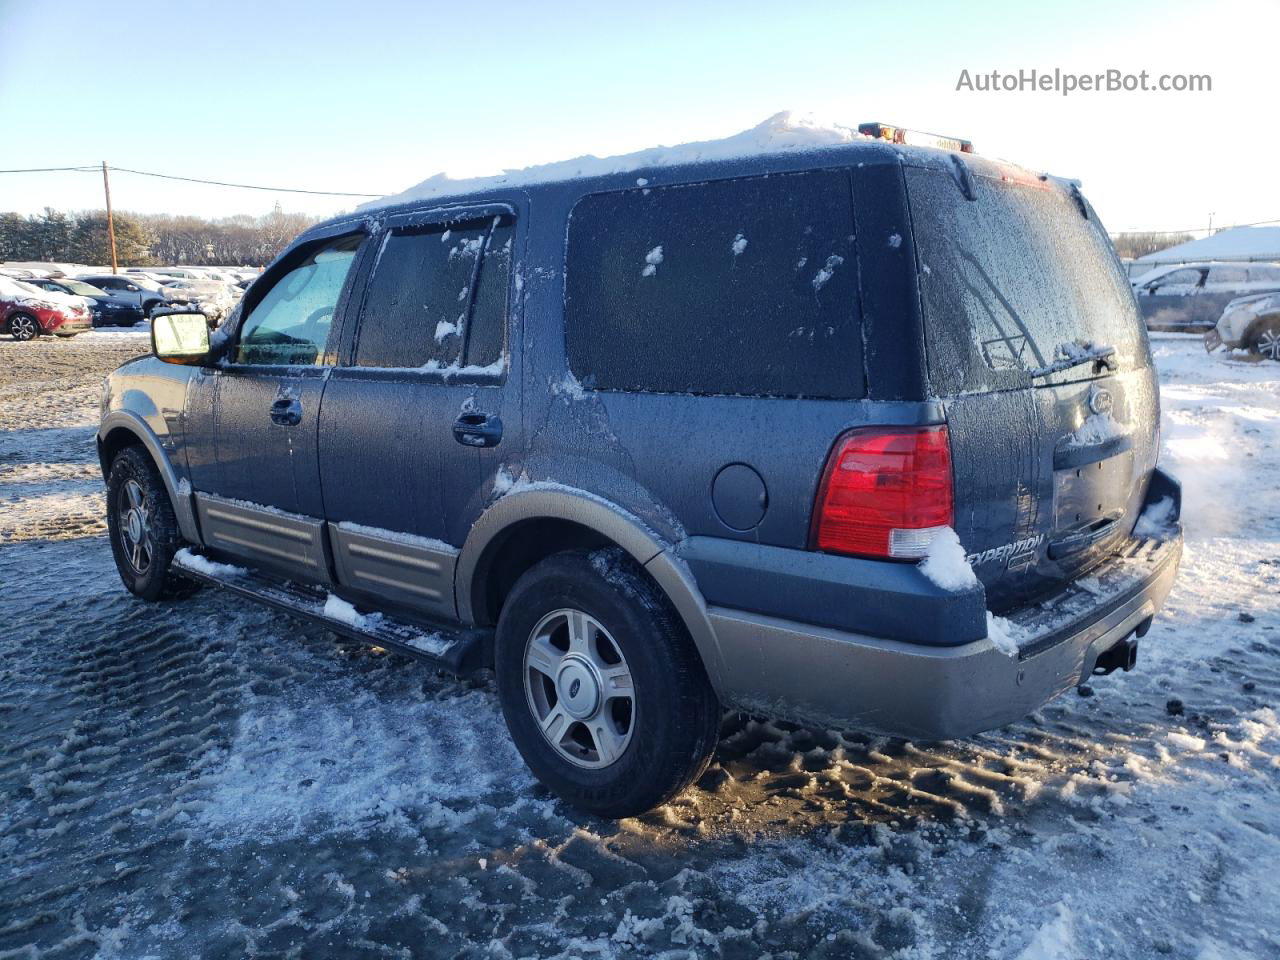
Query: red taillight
{"x": 886, "y": 492}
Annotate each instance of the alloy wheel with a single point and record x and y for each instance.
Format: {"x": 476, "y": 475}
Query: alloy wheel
{"x": 579, "y": 688}
{"x": 22, "y": 327}
{"x": 1269, "y": 343}
{"x": 134, "y": 512}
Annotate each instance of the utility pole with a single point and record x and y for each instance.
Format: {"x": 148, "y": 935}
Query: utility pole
{"x": 1211, "y": 224}
{"x": 111, "y": 225}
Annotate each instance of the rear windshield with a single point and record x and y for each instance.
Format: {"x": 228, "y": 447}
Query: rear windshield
{"x": 1012, "y": 279}
{"x": 732, "y": 287}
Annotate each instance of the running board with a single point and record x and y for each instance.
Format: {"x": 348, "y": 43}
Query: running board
{"x": 459, "y": 650}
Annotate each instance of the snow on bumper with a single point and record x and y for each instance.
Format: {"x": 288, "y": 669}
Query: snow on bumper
{"x": 814, "y": 674}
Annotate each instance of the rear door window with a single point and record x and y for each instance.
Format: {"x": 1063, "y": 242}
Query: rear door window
{"x": 437, "y": 298}
{"x": 1011, "y": 278}
{"x": 744, "y": 286}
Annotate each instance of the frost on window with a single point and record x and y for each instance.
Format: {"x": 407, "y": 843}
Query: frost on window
{"x": 433, "y": 295}
{"x": 651, "y": 261}
{"x": 827, "y": 272}
{"x": 707, "y": 305}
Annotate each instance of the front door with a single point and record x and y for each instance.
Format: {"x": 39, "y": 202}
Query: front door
{"x": 422, "y": 408}
{"x": 260, "y": 500}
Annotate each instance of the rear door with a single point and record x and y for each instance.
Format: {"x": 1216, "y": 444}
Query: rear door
{"x": 423, "y": 406}
{"x": 259, "y": 498}
{"x": 1050, "y": 464}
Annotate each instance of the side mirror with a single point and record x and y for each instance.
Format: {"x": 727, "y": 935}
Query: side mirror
{"x": 180, "y": 337}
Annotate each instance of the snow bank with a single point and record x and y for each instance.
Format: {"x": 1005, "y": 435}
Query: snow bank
{"x": 945, "y": 564}
{"x": 1156, "y": 520}
{"x": 335, "y": 608}
{"x": 1003, "y": 634}
{"x": 782, "y": 132}
{"x": 210, "y": 568}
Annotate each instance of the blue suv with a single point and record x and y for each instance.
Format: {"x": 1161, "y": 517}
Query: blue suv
{"x": 657, "y": 444}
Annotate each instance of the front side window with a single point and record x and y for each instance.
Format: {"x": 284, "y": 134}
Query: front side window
{"x": 437, "y": 299}
{"x": 1178, "y": 278}
{"x": 290, "y": 325}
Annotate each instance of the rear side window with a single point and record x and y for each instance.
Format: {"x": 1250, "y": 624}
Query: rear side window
{"x": 1009, "y": 278}
{"x": 1227, "y": 275}
{"x": 438, "y": 297}
{"x": 742, "y": 286}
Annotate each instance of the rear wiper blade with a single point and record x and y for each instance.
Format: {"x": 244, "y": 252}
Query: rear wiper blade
{"x": 1073, "y": 355}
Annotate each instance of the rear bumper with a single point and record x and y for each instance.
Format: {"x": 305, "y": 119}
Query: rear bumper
{"x": 817, "y": 674}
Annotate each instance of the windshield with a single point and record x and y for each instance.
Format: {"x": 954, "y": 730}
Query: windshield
{"x": 81, "y": 288}
{"x": 1014, "y": 280}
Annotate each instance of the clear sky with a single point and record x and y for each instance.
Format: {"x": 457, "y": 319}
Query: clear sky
{"x": 374, "y": 96}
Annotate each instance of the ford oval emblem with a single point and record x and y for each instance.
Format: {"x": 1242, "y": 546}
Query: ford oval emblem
{"x": 1100, "y": 401}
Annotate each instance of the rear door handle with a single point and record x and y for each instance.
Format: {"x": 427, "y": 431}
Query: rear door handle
{"x": 477, "y": 430}
{"x": 286, "y": 411}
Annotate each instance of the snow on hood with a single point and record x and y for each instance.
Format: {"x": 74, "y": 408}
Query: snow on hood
{"x": 781, "y": 132}
{"x": 17, "y": 290}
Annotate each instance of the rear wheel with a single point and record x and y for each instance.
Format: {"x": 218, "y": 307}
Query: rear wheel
{"x": 23, "y": 327}
{"x": 143, "y": 527}
{"x": 601, "y": 686}
{"x": 1265, "y": 340}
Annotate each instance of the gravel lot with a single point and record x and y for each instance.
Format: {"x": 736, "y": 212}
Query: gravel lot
{"x": 206, "y": 778}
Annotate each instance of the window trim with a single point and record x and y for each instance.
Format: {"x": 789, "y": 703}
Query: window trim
{"x": 425, "y": 220}
{"x": 283, "y": 266}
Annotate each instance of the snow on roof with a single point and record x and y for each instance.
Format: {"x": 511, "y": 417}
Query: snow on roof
{"x": 781, "y": 132}
{"x": 1236, "y": 243}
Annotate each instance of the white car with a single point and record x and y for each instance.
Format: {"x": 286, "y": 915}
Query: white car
{"x": 213, "y": 298}
{"x": 1249, "y": 323}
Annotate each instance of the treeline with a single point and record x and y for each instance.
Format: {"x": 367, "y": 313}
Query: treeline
{"x": 1130, "y": 246}
{"x": 142, "y": 239}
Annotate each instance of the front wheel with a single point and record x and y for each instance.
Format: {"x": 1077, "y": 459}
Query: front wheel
{"x": 602, "y": 689}
{"x": 1265, "y": 341}
{"x": 23, "y": 327}
{"x": 143, "y": 527}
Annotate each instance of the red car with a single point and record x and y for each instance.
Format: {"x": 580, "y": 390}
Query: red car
{"x": 26, "y": 312}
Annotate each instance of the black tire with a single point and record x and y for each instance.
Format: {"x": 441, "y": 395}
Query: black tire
{"x": 23, "y": 327}
{"x": 673, "y": 716}
{"x": 146, "y": 573}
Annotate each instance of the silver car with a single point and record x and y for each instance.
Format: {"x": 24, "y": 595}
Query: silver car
{"x": 1191, "y": 297}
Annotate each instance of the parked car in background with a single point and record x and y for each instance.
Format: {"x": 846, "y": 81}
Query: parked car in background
{"x": 142, "y": 290}
{"x": 1191, "y": 297}
{"x": 107, "y": 309}
{"x": 26, "y": 312}
{"x": 1249, "y": 323}
{"x": 212, "y": 298}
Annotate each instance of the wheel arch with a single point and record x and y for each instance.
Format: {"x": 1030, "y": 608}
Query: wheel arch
{"x": 124, "y": 428}
{"x": 1264, "y": 321}
{"x": 524, "y": 527}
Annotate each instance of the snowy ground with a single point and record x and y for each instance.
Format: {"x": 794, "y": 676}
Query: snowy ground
{"x": 207, "y": 778}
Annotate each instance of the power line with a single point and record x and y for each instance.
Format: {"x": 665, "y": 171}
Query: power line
{"x": 1256, "y": 223}
{"x": 84, "y": 169}
{"x": 215, "y": 183}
